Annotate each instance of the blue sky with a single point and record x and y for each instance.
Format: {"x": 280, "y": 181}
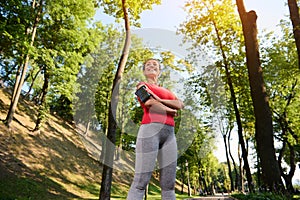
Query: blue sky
{"x": 170, "y": 14}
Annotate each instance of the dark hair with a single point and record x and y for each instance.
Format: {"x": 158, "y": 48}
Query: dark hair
{"x": 152, "y": 59}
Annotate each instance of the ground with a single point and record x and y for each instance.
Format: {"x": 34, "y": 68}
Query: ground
{"x": 57, "y": 162}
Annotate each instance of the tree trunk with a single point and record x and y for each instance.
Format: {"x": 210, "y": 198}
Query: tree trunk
{"x": 288, "y": 177}
{"x": 284, "y": 127}
{"x": 258, "y": 174}
{"x": 31, "y": 85}
{"x": 242, "y": 189}
{"x": 294, "y": 16}
{"x": 284, "y": 123}
{"x": 237, "y": 114}
{"x": 121, "y": 130}
{"x": 106, "y": 182}
{"x": 182, "y": 177}
{"x": 240, "y": 130}
{"x": 263, "y": 116}
{"x": 188, "y": 178}
{"x": 20, "y": 79}
{"x": 228, "y": 164}
{"x": 103, "y": 144}
{"x": 43, "y": 105}
{"x": 87, "y": 128}
{"x": 233, "y": 162}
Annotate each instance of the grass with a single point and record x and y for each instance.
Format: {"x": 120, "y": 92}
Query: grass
{"x": 154, "y": 197}
{"x": 58, "y": 162}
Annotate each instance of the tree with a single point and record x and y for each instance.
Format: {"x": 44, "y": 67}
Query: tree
{"x": 60, "y": 53}
{"x": 125, "y": 10}
{"x": 54, "y": 42}
{"x": 222, "y": 36}
{"x": 263, "y": 116}
{"x": 112, "y": 126}
{"x": 295, "y": 19}
{"x": 280, "y": 57}
{"x": 225, "y": 133}
{"x": 21, "y": 72}
{"x": 200, "y": 126}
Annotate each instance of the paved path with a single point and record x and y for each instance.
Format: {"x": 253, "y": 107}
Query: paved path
{"x": 215, "y": 197}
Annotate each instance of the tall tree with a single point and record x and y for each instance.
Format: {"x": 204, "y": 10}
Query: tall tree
{"x": 295, "y": 19}
{"x": 263, "y": 116}
{"x": 55, "y": 41}
{"x": 60, "y": 53}
{"x": 224, "y": 39}
{"x": 225, "y": 132}
{"x": 15, "y": 26}
{"x": 280, "y": 57}
{"x": 128, "y": 11}
{"x": 21, "y": 73}
{"x": 112, "y": 125}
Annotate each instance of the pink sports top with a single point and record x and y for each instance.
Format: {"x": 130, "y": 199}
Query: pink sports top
{"x": 150, "y": 117}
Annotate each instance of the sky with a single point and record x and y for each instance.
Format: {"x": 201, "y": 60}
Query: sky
{"x": 169, "y": 14}
{"x": 159, "y": 26}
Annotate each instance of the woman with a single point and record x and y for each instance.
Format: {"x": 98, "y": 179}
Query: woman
{"x": 156, "y": 137}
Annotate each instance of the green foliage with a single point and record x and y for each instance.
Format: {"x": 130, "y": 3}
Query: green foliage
{"x": 15, "y": 17}
{"x": 136, "y": 7}
{"x": 215, "y": 27}
{"x": 282, "y": 79}
{"x": 206, "y": 19}
{"x": 202, "y": 164}
{"x": 62, "y": 106}
{"x": 63, "y": 38}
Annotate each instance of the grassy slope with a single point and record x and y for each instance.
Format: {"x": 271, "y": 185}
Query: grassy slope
{"x": 55, "y": 163}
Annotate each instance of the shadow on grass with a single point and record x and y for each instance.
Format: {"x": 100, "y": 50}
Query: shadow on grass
{"x": 27, "y": 184}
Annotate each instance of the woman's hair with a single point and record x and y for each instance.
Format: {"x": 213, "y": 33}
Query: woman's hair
{"x": 152, "y": 59}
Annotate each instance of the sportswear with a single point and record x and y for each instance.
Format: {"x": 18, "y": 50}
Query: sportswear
{"x": 163, "y": 118}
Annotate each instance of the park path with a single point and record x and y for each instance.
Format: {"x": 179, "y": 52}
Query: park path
{"x": 215, "y": 197}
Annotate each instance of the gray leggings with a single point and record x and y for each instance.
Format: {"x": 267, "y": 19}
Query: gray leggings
{"x": 155, "y": 140}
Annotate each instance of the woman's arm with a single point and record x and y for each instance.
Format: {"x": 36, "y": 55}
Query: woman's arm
{"x": 162, "y": 105}
{"x": 175, "y": 104}
{"x": 158, "y": 107}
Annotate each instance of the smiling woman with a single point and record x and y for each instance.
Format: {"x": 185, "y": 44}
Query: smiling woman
{"x": 156, "y": 137}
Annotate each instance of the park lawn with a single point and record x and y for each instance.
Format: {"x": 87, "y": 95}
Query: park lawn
{"x": 55, "y": 162}
{"x": 154, "y": 197}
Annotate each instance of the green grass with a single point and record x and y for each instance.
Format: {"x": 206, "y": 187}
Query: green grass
{"x": 153, "y": 197}
{"x": 20, "y": 188}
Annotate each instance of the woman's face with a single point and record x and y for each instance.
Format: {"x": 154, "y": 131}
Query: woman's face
{"x": 151, "y": 68}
